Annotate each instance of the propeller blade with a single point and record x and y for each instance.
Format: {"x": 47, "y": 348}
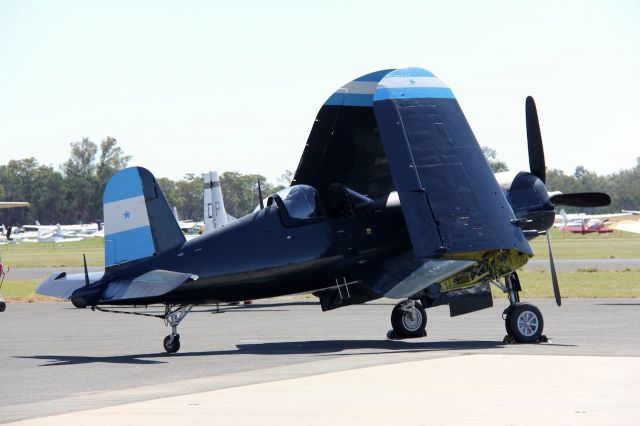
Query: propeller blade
{"x": 534, "y": 141}
{"x": 554, "y": 277}
{"x": 582, "y": 199}
{"x": 86, "y": 272}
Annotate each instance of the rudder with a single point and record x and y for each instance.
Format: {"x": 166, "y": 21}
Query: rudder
{"x": 138, "y": 219}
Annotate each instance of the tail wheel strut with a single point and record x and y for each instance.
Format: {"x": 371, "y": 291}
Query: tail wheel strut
{"x": 173, "y": 318}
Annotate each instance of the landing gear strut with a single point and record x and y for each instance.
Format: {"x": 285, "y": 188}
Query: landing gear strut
{"x": 523, "y": 321}
{"x": 408, "y": 320}
{"x": 171, "y": 343}
{"x": 171, "y": 317}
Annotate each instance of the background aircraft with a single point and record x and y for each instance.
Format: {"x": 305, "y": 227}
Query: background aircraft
{"x": 53, "y": 233}
{"x": 392, "y": 198}
{"x": 4, "y": 238}
{"x": 582, "y": 223}
{"x": 214, "y": 213}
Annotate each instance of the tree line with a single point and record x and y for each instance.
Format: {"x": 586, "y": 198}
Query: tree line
{"x": 72, "y": 193}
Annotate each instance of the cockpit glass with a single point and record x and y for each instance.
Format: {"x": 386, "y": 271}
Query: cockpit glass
{"x": 302, "y": 202}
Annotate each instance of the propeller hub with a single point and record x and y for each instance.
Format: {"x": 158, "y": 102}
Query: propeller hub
{"x": 531, "y": 203}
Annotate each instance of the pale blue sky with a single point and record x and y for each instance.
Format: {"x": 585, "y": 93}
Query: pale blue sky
{"x": 197, "y": 85}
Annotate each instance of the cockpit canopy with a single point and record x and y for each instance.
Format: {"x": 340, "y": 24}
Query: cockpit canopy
{"x": 303, "y": 202}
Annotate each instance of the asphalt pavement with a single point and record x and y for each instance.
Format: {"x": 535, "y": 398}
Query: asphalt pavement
{"x": 57, "y": 359}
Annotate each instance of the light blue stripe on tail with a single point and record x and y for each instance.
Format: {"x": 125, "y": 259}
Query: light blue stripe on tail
{"x": 128, "y": 245}
{"x": 124, "y": 184}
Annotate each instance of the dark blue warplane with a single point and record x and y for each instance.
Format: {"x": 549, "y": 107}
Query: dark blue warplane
{"x": 392, "y": 198}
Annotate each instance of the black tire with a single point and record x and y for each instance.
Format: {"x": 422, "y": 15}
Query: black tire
{"x": 507, "y": 320}
{"x": 409, "y": 324}
{"x": 525, "y": 323}
{"x": 174, "y": 346}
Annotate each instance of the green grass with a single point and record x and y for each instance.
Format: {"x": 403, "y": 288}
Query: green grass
{"x": 36, "y": 255}
{"x": 22, "y": 291}
{"x": 581, "y": 284}
{"x": 566, "y": 245}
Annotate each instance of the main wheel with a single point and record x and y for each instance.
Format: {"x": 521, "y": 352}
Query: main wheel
{"x": 172, "y": 347}
{"x": 409, "y": 321}
{"x": 507, "y": 320}
{"x": 525, "y": 323}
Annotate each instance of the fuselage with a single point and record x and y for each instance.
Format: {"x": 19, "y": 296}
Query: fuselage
{"x": 258, "y": 256}
{"x": 262, "y": 255}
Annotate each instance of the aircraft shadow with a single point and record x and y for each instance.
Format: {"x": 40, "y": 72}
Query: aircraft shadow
{"x": 317, "y": 347}
{"x": 331, "y": 347}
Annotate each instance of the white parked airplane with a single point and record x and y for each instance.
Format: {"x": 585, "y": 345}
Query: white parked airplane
{"x": 215, "y": 215}
{"x": 565, "y": 219}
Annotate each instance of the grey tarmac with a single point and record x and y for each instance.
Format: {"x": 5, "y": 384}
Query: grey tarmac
{"x": 56, "y": 359}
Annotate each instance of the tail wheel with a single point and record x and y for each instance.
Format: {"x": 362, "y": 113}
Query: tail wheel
{"x": 525, "y": 323}
{"x": 409, "y": 319}
{"x": 172, "y": 343}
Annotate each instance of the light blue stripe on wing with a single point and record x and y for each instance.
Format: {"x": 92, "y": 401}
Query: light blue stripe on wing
{"x": 413, "y": 93}
{"x": 358, "y": 92}
{"x": 128, "y": 245}
{"x": 410, "y": 72}
{"x": 335, "y": 99}
{"x": 374, "y": 76}
{"x": 412, "y": 83}
{"x": 350, "y": 99}
{"x": 124, "y": 184}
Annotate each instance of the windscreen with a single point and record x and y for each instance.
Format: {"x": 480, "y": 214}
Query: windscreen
{"x": 303, "y": 202}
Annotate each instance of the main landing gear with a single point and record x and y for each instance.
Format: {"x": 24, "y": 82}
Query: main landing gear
{"x": 171, "y": 343}
{"x": 523, "y": 321}
{"x": 408, "y": 320}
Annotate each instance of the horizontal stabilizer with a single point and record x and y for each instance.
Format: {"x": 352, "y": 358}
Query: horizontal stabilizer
{"x": 62, "y": 285}
{"x": 152, "y": 284}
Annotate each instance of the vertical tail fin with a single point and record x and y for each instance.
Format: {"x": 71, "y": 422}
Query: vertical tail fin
{"x": 215, "y": 214}
{"x": 138, "y": 219}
